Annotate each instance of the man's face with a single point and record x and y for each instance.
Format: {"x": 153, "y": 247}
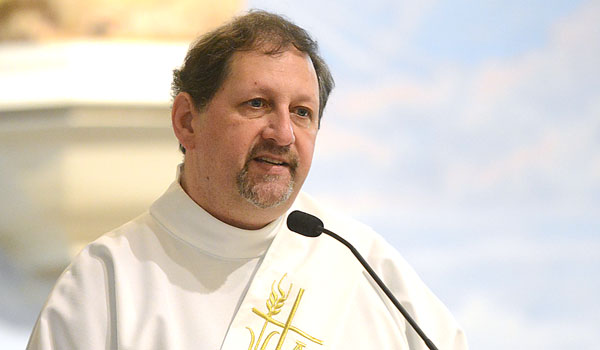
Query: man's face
{"x": 254, "y": 141}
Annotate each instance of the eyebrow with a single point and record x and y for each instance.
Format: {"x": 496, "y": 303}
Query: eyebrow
{"x": 304, "y": 97}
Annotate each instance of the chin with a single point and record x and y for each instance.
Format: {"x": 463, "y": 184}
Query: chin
{"x": 267, "y": 191}
{"x": 269, "y": 195}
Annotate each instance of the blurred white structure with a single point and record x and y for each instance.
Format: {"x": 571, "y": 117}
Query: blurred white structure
{"x": 85, "y": 145}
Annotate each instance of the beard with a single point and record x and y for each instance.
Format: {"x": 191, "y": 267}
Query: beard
{"x": 268, "y": 191}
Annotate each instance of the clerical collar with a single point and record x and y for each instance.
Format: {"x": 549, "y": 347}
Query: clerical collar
{"x": 185, "y": 219}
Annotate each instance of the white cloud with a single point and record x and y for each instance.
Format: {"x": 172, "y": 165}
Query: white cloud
{"x": 496, "y": 325}
{"x": 393, "y": 96}
{"x": 513, "y": 250}
{"x": 335, "y": 141}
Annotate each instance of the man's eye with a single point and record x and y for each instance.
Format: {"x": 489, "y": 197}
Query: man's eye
{"x": 303, "y": 112}
{"x": 256, "y": 103}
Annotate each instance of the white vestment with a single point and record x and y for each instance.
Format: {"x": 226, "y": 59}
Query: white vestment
{"x": 177, "y": 278}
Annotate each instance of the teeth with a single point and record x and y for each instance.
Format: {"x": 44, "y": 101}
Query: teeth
{"x": 271, "y": 161}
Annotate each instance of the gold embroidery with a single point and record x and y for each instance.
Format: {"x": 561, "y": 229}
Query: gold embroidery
{"x": 299, "y": 345}
{"x": 251, "y": 335}
{"x": 267, "y": 339}
{"x": 274, "y": 305}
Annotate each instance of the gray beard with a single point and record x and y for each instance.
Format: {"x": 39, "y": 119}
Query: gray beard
{"x": 252, "y": 191}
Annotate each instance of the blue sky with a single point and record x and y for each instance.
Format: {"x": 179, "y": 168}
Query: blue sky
{"x": 468, "y": 134}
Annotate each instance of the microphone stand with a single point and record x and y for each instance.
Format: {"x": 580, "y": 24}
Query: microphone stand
{"x": 385, "y": 289}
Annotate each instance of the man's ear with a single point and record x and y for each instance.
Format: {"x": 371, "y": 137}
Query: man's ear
{"x": 182, "y": 115}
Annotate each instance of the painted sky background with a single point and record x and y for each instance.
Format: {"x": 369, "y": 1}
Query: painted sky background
{"x": 468, "y": 134}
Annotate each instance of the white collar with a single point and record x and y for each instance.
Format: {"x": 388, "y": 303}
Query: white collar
{"x": 186, "y": 220}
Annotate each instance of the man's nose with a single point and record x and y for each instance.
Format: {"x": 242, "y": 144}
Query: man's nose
{"x": 280, "y": 128}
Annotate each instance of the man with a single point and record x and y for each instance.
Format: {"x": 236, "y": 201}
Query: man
{"x": 212, "y": 264}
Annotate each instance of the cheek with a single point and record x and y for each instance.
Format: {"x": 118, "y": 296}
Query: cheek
{"x": 306, "y": 149}
{"x": 231, "y": 148}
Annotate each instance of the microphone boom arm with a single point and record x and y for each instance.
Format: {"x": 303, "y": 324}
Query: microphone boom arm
{"x": 385, "y": 289}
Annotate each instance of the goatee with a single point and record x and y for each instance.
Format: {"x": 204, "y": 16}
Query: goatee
{"x": 268, "y": 191}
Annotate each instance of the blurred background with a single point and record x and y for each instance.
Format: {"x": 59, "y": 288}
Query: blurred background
{"x": 465, "y": 132}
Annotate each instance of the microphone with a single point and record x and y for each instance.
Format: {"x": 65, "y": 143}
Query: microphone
{"x": 311, "y": 226}
{"x": 305, "y": 224}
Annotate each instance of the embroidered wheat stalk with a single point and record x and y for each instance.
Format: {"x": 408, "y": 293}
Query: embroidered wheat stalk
{"x": 274, "y": 304}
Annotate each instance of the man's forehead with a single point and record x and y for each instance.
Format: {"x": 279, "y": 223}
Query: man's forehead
{"x": 265, "y": 52}
{"x": 249, "y": 66}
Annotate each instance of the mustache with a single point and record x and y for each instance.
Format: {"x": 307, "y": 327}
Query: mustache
{"x": 269, "y": 147}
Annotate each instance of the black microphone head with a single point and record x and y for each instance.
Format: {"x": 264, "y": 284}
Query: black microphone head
{"x": 304, "y": 223}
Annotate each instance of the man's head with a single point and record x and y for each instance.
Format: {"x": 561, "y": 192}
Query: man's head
{"x": 207, "y": 62}
{"x": 247, "y": 107}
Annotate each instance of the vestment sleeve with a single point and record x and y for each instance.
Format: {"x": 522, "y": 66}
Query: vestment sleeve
{"x": 426, "y": 309}
{"x": 76, "y": 314}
